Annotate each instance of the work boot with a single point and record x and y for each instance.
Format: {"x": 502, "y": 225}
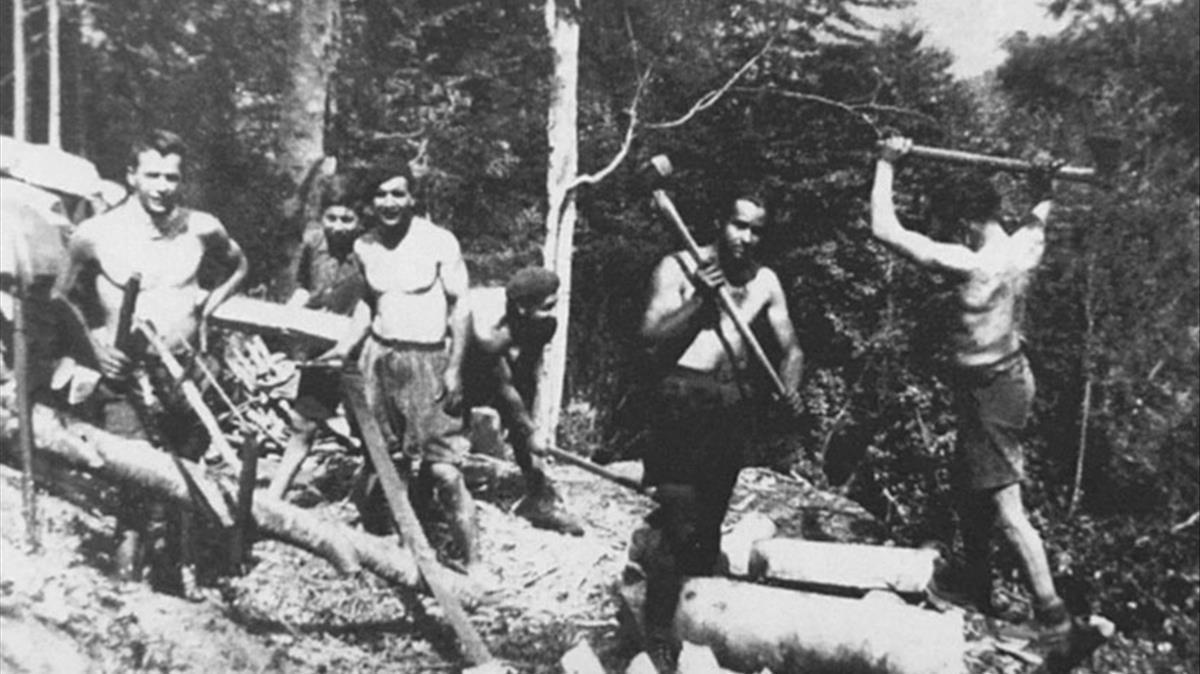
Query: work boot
{"x": 544, "y": 509}
{"x": 957, "y": 587}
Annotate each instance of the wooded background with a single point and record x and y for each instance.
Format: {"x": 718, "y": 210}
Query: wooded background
{"x": 530, "y": 118}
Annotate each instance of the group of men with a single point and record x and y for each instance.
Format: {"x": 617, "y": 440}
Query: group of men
{"x": 430, "y": 347}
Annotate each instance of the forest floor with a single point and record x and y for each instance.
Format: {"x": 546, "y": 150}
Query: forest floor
{"x": 60, "y": 611}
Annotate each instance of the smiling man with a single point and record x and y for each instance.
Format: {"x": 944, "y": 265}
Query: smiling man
{"x": 416, "y": 283}
{"x": 152, "y": 236}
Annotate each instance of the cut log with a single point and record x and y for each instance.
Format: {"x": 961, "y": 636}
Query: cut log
{"x": 487, "y": 436}
{"x": 136, "y": 462}
{"x": 813, "y": 633}
{"x": 843, "y": 565}
{"x": 270, "y": 318}
{"x": 737, "y": 545}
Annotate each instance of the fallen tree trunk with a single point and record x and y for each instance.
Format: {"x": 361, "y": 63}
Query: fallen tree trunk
{"x": 137, "y": 463}
{"x": 843, "y": 565}
{"x": 809, "y": 632}
{"x": 270, "y": 318}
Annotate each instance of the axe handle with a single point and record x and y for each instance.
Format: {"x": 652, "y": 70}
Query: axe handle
{"x": 133, "y": 287}
{"x": 595, "y": 469}
{"x": 1073, "y": 173}
{"x": 664, "y": 203}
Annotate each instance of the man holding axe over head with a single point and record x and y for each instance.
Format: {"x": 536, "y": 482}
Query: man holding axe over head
{"x": 701, "y": 301}
{"x": 993, "y": 384}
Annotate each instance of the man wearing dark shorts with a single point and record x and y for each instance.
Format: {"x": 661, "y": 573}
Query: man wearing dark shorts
{"x": 702, "y": 417}
{"x": 991, "y": 377}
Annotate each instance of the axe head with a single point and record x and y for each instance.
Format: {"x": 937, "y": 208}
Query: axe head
{"x": 654, "y": 173}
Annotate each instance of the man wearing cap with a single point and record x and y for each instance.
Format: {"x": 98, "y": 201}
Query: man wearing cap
{"x": 509, "y": 330}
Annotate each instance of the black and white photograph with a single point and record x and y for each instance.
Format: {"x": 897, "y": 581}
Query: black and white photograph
{"x": 600, "y": 336}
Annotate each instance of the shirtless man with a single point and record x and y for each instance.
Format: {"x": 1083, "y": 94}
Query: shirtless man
{"x": 509, "y": 330}
{"x": 992, "y": 381}
{"x": 152, "y": 235}
{"x": 703, "y": 418}
{"x": 416, "y": 284}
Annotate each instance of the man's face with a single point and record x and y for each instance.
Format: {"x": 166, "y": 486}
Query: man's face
{"x": 743, "y": 230}
{"x": 155, "y": 180}
{"x": 339, "y": 221}
{"x": 393, "y": 202}
{"x": 533, "y": 323}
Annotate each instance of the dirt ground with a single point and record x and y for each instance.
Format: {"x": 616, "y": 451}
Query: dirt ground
{"x": 292, "y": 612}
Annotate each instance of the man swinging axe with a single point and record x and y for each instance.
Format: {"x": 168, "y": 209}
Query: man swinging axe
{"x": 993, "y": 384}
{"x": 700, "y": 302}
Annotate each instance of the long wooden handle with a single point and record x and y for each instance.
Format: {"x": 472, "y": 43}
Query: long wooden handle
{"x": 668, "y": 207}
{"x": 129, "y": 298}
{"x": 395, "y": 490}
{"x": 596, "y": 469}
{"x": 1073, "y": 173}
{"x": 192, "y": 395}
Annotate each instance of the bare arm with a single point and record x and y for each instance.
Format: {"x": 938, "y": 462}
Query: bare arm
{"x": 1029, "y": 242}
{"x": 454, "y": 278}
{"x": 887, "y": 228}
{"x": 218, "y": 242}
{"x": 674, "y": 308}
{"x": 780, "y": 320}
{"x": 513, "y": 409}
{"x": 80, "y": 270}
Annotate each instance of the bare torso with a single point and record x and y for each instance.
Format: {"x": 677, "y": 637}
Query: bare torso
{"x": 410, "y": 296}
{"x": 127, "y": 242}
{"x": 989, "y": 302}
{"x": 719, "y": 347}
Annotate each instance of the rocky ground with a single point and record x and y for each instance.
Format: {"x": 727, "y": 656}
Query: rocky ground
{"x": 292, "y": 612}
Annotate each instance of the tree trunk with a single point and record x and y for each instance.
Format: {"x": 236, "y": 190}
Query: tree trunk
{"x": 54, "y": 76}
{"x": 562, "y": 24}
{"x": 20, "y": 129}
{"x": 312, "y": 57}
{"x": 135, "y": 462}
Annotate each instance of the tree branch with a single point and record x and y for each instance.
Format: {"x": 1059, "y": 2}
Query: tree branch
{"x": 710, "y": 99}
{"x": 814, "y": 98}
{"x": 626, "y": 144}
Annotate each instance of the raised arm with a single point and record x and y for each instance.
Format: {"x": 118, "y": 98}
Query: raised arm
{"x": 1029, "y": 242}
{"x": 887, "y": 228}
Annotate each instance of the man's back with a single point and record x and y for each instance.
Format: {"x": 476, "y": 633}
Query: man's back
{"x": 989, "y": 299}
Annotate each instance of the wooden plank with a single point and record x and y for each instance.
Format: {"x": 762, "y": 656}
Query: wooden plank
{"x": 845, "y": 565}
{"x": 395, "y": 490}
{"x": 271, "y": 318}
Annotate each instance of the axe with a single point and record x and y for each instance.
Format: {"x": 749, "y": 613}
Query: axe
{"x": 661, "y": 167}
{"x": 1105, "y": 152}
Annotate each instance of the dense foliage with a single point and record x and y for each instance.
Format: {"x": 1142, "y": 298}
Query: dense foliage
{"x": 1114, "y": 321}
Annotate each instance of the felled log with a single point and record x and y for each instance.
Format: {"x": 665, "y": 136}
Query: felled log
{"x": 270, "y": 318}
{"x": 808, "y": 632}
{"x": 138, "y": 463}
{"x": 843, "y": 565}
{"x": 737, "y": 546}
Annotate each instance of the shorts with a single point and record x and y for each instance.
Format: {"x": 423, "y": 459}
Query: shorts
{"x": 403, "y": 384}
{"x": 701, "y": 425}
{"x": 993, "y": 403}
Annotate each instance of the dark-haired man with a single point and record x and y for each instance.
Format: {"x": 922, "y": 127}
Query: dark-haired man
{"x": 704, "y": 403}
{"x": 412, "y": 326}
{"x": 993, "y": 384}
{"x": 509, "y": 330}
{"x": 153, "y": 236}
